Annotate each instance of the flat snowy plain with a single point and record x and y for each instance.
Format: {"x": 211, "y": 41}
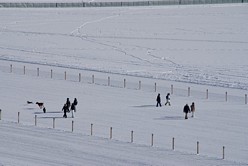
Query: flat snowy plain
{"x": 201, "y": 47}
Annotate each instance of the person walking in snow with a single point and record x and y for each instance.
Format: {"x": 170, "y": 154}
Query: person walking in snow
{"x": 73, "y": 108}
{"x": 158, "y": 100}
{"x": 75, "y": 102}
{"x": 186, "y": 110}
{"x": 68, "y": 104}
{"x": 192, "y": 108}
{"x": 65, "y": 109}
{"x": 167, "y": 99}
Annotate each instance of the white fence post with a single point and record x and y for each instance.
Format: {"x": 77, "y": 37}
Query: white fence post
{"x": 72, "y": 126}
{"x": 155, "y": 87}
{"x": 245, "y": 98}
{"x": 54, "y": 123}
{"x": 223, "y": 152}
{"x": 131, "y": 136}
{"x": 197, "y": 148}
{"x": 11, "y": 68}
{"x": 93, "y": 79}
{"x": 35, "y": 120}
{"x": 108, "y": 81}
{"x": 171, "y": 89}
{"x": 188, "y": 91}
{"x": 38, "y": 72}
{"x": 207, "y": 94}
{"x": 139, "y": 85}
{"x": 111, "y": 130}
{"x": 173, "y": 143}
{"x": 51, "y": 73}
{"x": 24, "y": 70}
{"x": 124, "y": 83}
{"x": 79, "y": 77}
{"x": 0, "y": 114}
{"x": 152, "y": 140}
{"x": 226, "y": 96}
{"x": 18, "y": 119}
{"x": 65, "y": 75}
{"x": 91, "y": 129}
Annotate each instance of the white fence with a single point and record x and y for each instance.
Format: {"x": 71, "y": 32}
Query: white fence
{"x": 117, "y": 4}
{"x": 132, "y": 134}
{"x": 134, "y": 83}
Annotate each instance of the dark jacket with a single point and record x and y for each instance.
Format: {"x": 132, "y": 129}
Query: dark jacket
{"x": 65, "y": 108}
{"x": 72, "y": 106}
{"x": 158, "y": 98}
{"x": 167, "y": 97}
{"x": 68, "y": 103}
{"x": 75, "y": 102}
{"x": 186, "y": 109}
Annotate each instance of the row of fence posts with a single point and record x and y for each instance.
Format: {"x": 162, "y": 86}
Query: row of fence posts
{"x": 124, "y": 83}
{"x": 132, "y": 135}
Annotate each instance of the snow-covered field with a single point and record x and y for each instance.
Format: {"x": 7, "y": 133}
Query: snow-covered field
{"x": 199, "y": 44}
{"x": 202, "y": 47}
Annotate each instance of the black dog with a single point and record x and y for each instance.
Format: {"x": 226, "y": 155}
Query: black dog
{"x": 41, "y": 105}
{"x": 44, "y": 110}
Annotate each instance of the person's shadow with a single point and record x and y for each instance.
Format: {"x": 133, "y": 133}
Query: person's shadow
{"x": 144, "y": 106}
{"x": 170, "y": 118}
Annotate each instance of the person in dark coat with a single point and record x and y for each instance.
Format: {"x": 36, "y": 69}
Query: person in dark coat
{"x": 186, "y": 110}
{"x": 65, "y": 109}
{"x": 167, "y": 99}
{"x": 75, "y": 102}
{"x": 158, "y": 100}
{"x": 73, "y": 108}
{"x": 68, "y": 104}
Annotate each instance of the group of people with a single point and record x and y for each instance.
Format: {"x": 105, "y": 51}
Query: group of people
{"x": 187, "y": 109}
{"x": 167, "y": 98}
{"x": 69, "y": 107}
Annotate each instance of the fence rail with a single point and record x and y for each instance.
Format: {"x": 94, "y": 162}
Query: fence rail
{"x": 134, "y": 83}
{"x": 222, "y": 156}
{"x": 117, "y": 4}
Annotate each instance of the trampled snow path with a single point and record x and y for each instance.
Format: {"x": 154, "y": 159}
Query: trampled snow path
{"x": 28, "y": 145}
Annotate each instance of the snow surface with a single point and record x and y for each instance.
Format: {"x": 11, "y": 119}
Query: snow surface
{"x": 196, "y": 44}
{"x": 202, "y": 47}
